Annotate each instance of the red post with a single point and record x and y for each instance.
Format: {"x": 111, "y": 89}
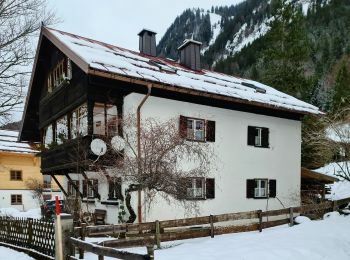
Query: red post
{"x": 58, "y": 209}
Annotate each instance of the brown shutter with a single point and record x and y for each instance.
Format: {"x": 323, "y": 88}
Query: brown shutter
{"x": 251, "y": 135}
{"x": 181, "y": 188}
{"x": 110, "y": 189}
{"x": 96, "y": 193}
{"x": 250, "y": 188}
{"x": 210, "y": 188}
{"x": 119, "y": 189}
{"x": 84, "y": 188}
{"x": 210, "y": 131}
{"x": 272, "y": 188}
{"x": 183, "y": 127}
{"x": 265, "y": 137}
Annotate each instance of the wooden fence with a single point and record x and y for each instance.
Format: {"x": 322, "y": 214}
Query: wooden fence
{"x": 29, "y": 233}
{"x": 153, "y": 233}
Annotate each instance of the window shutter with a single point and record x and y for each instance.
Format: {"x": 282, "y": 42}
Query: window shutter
{"x": 119, "y": 189}
{"x": 210, "y": 188}
{"x": 265, "y": 137}
{"x": 251, "y": 135}
{"x": 96, "y": 193}
{"x": 210, "y": 131}
{"x": 84, "y": 188}
{"x": 272, "y": 188}
{"x": 183, "y": 126}
{"x": 110, "y": 189}
{"x": 250, "y": 188}
{"x": 181, "y": 189}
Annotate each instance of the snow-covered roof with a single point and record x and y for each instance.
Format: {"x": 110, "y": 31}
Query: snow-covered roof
{"x": 99, "y": 56}
{"x": 334, "y": 169}
{"x": 9, "y": 143}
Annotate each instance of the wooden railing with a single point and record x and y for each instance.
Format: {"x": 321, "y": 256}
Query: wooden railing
{"x": 153, "y": 233}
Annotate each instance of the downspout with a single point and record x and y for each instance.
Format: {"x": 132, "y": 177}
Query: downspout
{"x": 138, "y": 118}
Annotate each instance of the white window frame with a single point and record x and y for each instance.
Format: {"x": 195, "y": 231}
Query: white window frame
{"x": 195, "y": 191}
{"x": 258, "y": 137}
{"x": 259, "y": 191}
{"x": 192, "y": 132}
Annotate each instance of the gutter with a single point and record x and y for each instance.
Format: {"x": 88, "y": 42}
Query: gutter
{"x": 138, "y": 119}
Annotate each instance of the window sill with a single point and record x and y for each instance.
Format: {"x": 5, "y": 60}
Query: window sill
{"x": 110, "y": 202}
{"x": 88, "y": 200}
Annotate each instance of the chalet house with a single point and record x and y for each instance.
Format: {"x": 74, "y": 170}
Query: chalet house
{"x": 19, "y": 164}
{"x": 80, "y": 89}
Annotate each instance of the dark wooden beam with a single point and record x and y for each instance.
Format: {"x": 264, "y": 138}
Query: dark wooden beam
{"x": 59, "y": 185}
{"x": 74, "y": 186}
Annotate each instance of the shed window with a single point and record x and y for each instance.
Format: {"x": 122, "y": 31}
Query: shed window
{"x": 16, "y": 199}
{"x": 61, "y": 130}
{"x": 105, "y": 119}
{"x": 15, "y": 175}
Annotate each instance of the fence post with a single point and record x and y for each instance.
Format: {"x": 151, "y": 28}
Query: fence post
{"x": 335, "y": 205}
{"x": 30, "y": 231}
{"x": 150, "y": 252}
{"x": 291, "y": 217}
{"x": 211, "y": 220}
{"x": 82, "y": 237}
{"x": 67, "y": 229}
{"x": 260, "y": 220}
{"x": 157, "y": 234}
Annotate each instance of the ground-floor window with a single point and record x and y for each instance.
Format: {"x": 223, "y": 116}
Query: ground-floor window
{"x": 115, "y": 189}
{"x": 198, "y": 188}
{"x": 16, "y": 199}
{"x": 261, "y": 188}
{"x": 90, "y": 188}
{"x": 71, "y": 189}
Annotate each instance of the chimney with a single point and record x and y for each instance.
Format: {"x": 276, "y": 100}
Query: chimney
{"x": 147, "y": 42}
{"x": 190, "y": 54}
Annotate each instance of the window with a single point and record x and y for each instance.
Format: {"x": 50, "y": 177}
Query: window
{"x": 59, "y": 74}
{"x": 197, "y": 129}
{"x": 71, "y": 190}
{"x": 90, "y": 188}
{"x": 115, "y": 189}
{"x": 105, "y": 119}
{"x": 195, "y": 188}
{"x": 48, "y": 136}
{"x": 16, "y": 199}
{"x": 61, "y": 130}
{"x": 258, "y": 136}
{"x": 47, "y": 181}
{"x": 15, "y": 175}
{"x": 79, "y": 122}
{"x": 261, "y": 188}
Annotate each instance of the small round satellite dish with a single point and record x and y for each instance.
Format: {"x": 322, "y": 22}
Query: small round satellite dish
{"x": 98, "y": 147}
{"x": 118, "y": 143}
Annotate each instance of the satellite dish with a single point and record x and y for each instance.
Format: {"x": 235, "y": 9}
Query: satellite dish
{"x": 98, "y": 147}
{"x": 118, "y": 143}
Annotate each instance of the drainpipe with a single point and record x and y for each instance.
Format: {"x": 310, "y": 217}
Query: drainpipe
{"x": 138, "y": 118}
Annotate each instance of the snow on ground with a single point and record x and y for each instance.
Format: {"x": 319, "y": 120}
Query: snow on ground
{"x": 7, "y": 253}
{"x": 325, "y": 239}
{"x": 15, "y": 213}
{"x": 341, "y": 188}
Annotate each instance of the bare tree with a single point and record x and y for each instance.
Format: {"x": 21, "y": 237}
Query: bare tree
{"x": 330, "y": 140}
{"x": 167, "y": 161}
{"x": 37, "y": 188}
{"x": 19, "y": 21}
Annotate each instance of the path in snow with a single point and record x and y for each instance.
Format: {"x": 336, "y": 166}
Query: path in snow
{"x": 325, "y": 239}
{"x": 7, "y": 253}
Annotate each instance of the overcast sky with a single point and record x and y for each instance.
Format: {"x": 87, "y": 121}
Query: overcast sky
{"x": 118, "y": 22}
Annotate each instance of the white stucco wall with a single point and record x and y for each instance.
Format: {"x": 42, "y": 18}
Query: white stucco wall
{"x": 237, "y": 161}
{"x": 28, "y": 202}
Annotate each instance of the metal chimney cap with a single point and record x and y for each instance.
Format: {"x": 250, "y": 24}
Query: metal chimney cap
{"x": 146, "y": 30}
{"x": 187, "y": 42}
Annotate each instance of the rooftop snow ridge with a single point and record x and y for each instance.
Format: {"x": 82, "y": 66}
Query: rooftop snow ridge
{"x": 127, "y": 63}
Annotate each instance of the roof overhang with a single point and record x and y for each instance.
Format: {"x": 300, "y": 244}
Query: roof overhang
{"x": 318, "y": 177}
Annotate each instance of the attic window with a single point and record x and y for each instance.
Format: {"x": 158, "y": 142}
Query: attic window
{"x": 59, "y": 75}
{"x": 162, "y": 66}
{"x": 257, "y": 89}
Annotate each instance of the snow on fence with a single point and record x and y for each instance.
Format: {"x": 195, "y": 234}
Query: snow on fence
{"x": 153, "y": 233}
{"x": 33, "y": 234}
